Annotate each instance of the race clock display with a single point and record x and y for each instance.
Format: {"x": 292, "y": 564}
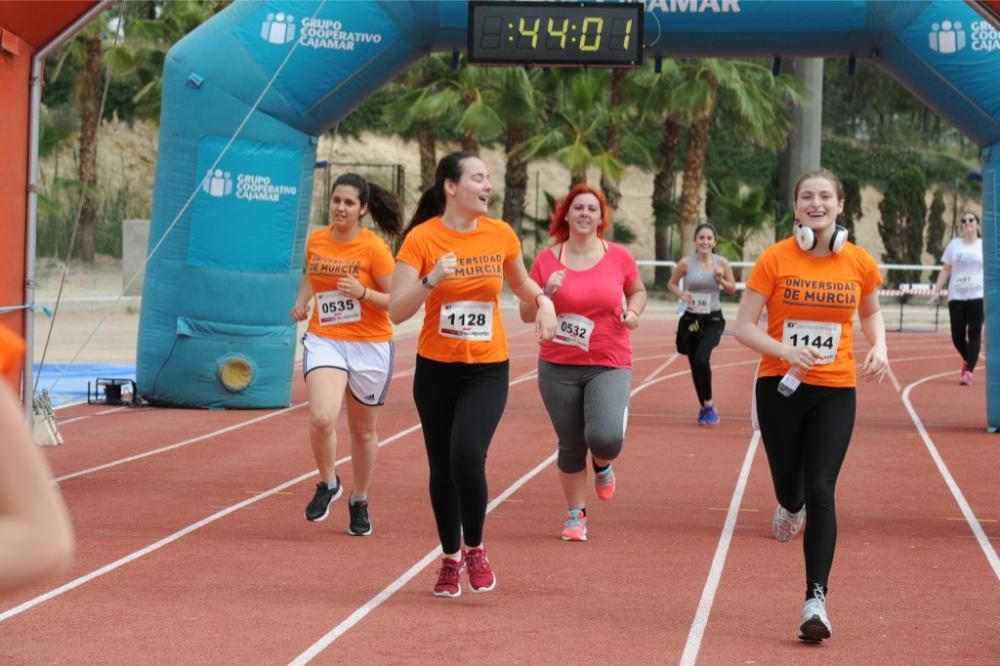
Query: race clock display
{"x": 566, "y": 34}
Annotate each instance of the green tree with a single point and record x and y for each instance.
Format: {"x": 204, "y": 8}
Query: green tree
{"x": 659, "y": 118}
{"x": 414, "y": 112}
{"x": 936, "y": 227}
{"x": 577, "y": 118}
{"x": 904, "y": 216}
{"x": 852, "y": 205}
{"x": 752, "y": 102}
{"x": 511, "y": 91}
{"x": 738, "y": 214}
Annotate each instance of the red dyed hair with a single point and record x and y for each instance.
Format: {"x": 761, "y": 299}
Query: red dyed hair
{"x": 559, "y": 228}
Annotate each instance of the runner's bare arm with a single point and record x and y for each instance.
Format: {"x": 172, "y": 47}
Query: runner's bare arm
{"x": 408, "y": 292}
{"x": 876, "y": 362}
{"x": 526, "y": 290}
{"x": 300, "y": 310}
{"x": 36, "y": 537}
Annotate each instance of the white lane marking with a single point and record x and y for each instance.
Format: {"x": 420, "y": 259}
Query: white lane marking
{"x": 88, "y": 416}
{"x": 351, "y": 620}
{"x": 73, "y": 584}
{"x": 354, "y": 618}
{"x": 661, "y": 367}
{"x": 153, "y": 547}
{"x": 186, "y": 442}
{"x": 956, "y": 492}
{"x": 697, "y": 630}
{"x": 193, "y": 440}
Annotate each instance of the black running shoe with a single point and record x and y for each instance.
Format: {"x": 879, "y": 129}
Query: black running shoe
{"x": 360, "y": 524}
{"x": 319, "y": 507}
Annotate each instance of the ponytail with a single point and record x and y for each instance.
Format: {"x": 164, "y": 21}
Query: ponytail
{"x": 385, "y": 209}
{"x": 383, "y": 205}
{"x": 432, "y": 201}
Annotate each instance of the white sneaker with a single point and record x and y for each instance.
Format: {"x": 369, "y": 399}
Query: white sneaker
{"x": 786, "y": 525}
{"x": 815, "y": 622}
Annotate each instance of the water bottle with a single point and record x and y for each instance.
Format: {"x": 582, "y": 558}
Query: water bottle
{"x": 789, "y": 382}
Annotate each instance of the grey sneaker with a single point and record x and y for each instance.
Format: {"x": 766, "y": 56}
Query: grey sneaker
{"x": 361, "y": 525}
{"x": 319, "y": 507}
{"x": 815, "y": 625}
{"x": 786, "y": 525}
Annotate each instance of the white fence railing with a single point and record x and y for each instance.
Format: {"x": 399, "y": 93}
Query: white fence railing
{"x": 906, "y": 289}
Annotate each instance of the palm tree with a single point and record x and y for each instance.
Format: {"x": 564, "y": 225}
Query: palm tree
{"x": 738, "y": 215}
{"x": 457, "y": 98}
{"x": 511, "y": 91}
{"x": 658, "y": 115}
{"x": 150, "y": 36}
{"x": 575, "y": 125}
{"x": 412, "y": 115}
{"x": 756, "y": 107}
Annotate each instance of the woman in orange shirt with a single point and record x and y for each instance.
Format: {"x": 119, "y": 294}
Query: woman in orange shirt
{"x": 349, "y": 341}
{"x": 453, "y": 261}
{"x": 812, "y": 285}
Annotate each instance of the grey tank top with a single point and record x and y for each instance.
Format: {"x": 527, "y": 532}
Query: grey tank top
{"x": 700, "y": 282}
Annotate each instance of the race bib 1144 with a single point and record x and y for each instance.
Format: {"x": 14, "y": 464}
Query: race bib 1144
{"x": 823, "y": 336}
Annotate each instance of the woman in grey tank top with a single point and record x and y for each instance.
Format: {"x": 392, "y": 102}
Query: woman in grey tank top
{"x": 700, "y": 327}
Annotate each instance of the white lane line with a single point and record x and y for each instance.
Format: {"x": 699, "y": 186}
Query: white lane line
{"x": 963, "y": 505}
{"x": 661, "y": 367}
{"x": 193, "y": 440}
{"x": 697, "y": 630}
{"x": 186, "y": 442}
{"x": 131, "y": 557}
{"x": 354, "y": 618}
{"x": 89, "y": 416}
{"x": 73, "y": 584}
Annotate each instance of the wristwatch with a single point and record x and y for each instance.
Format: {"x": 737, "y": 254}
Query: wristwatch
{"x": 425, "y": 280}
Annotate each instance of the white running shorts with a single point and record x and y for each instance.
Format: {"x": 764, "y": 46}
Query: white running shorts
{"x": 368, "y": 364}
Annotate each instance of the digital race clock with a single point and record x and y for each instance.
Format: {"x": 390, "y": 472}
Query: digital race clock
{"x": 555, "y": 33}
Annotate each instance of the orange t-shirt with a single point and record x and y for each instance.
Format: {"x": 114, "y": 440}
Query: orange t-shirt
{"x": 812, "y": 300}
{"x": 336, "y": 315}
{"x": 462, "y": 322}
{"x": 11, "y": 357}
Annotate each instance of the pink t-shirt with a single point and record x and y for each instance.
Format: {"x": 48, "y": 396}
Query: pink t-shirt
{"x": 590, "y": 305}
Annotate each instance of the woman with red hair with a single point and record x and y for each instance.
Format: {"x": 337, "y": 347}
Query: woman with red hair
{"x": 585, "y": 372}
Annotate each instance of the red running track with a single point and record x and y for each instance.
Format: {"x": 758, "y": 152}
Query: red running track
{"x": 192, "y": 547}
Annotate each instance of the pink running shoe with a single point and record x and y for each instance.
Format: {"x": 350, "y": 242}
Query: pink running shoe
{"x": 449, "y": 578}
{"x": 575, "y": 527}
{"x": 966, "y": 378}
{"x": 604, "y": 483}
{"x": 481, "y": 576}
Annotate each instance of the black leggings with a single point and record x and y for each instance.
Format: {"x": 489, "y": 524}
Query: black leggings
{"x": 460, "y": 405}
{"x": 806, "y": 437}
{"x": 700, "y": 356}
{"x": 966, "y": 328}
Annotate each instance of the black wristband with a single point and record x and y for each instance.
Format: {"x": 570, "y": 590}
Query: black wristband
{"x": 427, "y": 282}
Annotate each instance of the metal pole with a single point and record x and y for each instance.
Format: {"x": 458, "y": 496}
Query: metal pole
{"x": 34, "y": 121}
{"x": 805, "y": 139}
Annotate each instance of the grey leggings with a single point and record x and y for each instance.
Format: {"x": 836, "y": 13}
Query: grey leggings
{"x": 588, "y": 407}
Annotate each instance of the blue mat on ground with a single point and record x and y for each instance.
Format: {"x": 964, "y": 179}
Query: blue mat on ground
{"x": 71, "y": 380}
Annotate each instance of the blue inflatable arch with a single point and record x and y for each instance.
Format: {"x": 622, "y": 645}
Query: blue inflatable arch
{"x": 232, "y": 193}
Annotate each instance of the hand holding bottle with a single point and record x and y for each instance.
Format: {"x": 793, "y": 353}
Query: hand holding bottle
{"x": 802, "y": 360}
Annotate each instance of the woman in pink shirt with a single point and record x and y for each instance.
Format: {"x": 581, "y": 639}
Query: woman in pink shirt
{"x": 585, "y": 372}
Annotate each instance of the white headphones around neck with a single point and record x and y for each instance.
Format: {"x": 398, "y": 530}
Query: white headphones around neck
{"x": 806, "y": 237}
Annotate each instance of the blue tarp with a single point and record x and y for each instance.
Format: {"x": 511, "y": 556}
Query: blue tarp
{"x": 71, "y": 380}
